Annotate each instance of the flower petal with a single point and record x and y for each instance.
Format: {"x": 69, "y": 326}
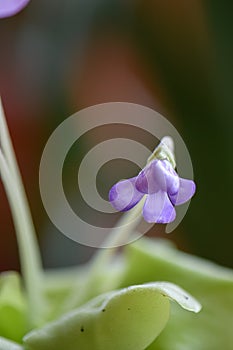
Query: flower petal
{"x": 124, "y": 195}
{"x": 156, "y": 176}
{"x": 11, "y": 7}
{"x": 186, "y": 191}
{"x": 151, "y": 179}
{"x": 158, "y": 208}
{"x": 172, "y": 178}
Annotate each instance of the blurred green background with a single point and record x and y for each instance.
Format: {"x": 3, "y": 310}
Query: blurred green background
{"x": 176, "y": 57}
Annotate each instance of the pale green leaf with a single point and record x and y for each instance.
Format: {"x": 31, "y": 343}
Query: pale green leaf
{"x": 6, "y": 344}
{"x": 211, "y": 284}
{"x": 127, "y": 319}
{"x": 13, "y": 309}
{"x": 68, "y": 288}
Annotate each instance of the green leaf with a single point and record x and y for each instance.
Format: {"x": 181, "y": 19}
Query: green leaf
{"x": 13, "y": 310}
{"x": 58, "y": 285}
{"x": 68, "y": 288}
{"x": 6, "y": 344}
{"x": 127, "y": 319}
{"x": 211, "y": 284}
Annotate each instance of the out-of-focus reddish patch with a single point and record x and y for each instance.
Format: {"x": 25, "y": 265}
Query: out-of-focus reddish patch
{"x": 112, "y": 71}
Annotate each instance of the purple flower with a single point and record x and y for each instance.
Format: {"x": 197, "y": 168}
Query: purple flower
{"x": 9, "y": 8}
{"x": 163, "y": 189}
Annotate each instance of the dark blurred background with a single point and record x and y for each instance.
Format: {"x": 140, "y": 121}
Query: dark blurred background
{"x": 176, "y": 57}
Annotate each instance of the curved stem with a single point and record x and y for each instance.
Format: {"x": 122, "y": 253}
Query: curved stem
{"x": 26, "y": 237}
{"x": 119, "y": 235}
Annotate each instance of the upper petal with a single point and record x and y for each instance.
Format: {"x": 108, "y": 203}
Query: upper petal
{"x": 158, "y": 208}
{"x": 124, "y": 195}
{"x": 186, "y": 191}
{"x": 11, "y": 7}
{"x": 172, "y": 178}
{"x": 156, "y": 176}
